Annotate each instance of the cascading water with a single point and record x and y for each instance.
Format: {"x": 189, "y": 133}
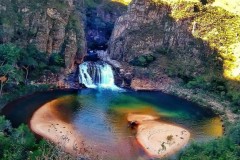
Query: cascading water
{"x": 96, "y": 74}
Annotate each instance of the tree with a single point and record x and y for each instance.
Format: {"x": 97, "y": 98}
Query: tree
{"x": 31, "y": 59}
{"x": 234, "y": 133}
{"x": 9, "y": 54}
{"x": 12, "y": 74}
{"x": 9, "y": 71}
{"x": 28, "y": 63}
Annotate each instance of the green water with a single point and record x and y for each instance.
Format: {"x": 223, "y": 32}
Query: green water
{"x": 101, "y": 117}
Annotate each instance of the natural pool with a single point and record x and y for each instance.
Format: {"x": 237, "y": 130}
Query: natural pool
{"x": 100, "y": 118}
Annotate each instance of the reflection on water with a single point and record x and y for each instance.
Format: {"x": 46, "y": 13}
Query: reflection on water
{"x": 100, "y": 117}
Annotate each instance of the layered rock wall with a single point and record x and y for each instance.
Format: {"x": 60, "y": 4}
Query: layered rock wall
{"x": 149, "y": 26}
{"x": 52, "y": 26}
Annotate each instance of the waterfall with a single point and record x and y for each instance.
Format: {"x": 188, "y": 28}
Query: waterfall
{"x": 96, "y": 75}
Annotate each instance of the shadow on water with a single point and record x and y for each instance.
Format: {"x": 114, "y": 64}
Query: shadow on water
{"x": 101, "y": 116}
{"x": 21, "y": 110}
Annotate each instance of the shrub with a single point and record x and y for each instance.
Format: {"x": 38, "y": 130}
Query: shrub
{"x": 226, "y": 147}
{"x": 234, "y": 133}
{"x": 57, "y": 60}
{"x": 143, "y": 60}
{"x": 15, "y": 143}
{"x": 217, "y": 149}
{"x": 5, "y": 125}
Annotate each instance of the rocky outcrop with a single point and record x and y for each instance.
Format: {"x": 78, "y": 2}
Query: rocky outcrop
{"x": 193, "y": 44}
{"x": 186, "y": 37}
{"x": 149, "y": 28}
{"x": 52, "y": 26}
{"x": 100, "y": 22}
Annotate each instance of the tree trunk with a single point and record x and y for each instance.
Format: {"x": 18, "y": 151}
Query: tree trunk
{"x": 26, "y": 76}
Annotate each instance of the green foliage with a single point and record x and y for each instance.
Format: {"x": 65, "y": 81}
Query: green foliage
{"x": 16, "y": 61}
{"x": 181, "y": 69}
{"x": 234, "y": 92}
{"x": 143, "y": 60}
{"x": 214, "y": 84}
{"x": 18, "y": 65}
{"x": 31, "y": 56}
{"x": 9, "y": 55}
{"x": 57, "y": 60}
{"x": 24, "y": 137}
{"x": 212, "y": 72}
{"x": 12, "y": 72}
{"x": 20, "y": 143}
{"x": 219, "y": 149}
{"x": 15, "y": 143}
{"x": 32, "y": 62}
{"x": 214, "y": 23}
{"x": 214, "y": 150}
{"x": 46, "y": 150}
{"x": 5, "y": 125}
{"x": 234, "y": 133}
{"x": 73, "y": 23}
{"x": 198, "y": 82}
{"x": 10, "y": 17}
{"x": 228, "y": 90}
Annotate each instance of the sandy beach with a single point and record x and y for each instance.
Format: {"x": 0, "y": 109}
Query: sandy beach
{"x": 48, "y": 123}
{"x": 159, "y": 139}
{"x": 140, "y": 117}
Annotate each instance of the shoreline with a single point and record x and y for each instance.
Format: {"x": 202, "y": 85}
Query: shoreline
{"x": 48, "y": 124}
{"x": 203, "y": 100}
{"x": 158, "y": 139}
{"x": 207, "y": 100}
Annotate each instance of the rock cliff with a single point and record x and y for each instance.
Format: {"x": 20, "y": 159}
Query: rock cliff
{"x": 54, "y": 26}
{"x": 100, "y": 20}
{"x": 149, "y": 29}
{"x": 169, "y": 44}
{"x": 183, "y": 36}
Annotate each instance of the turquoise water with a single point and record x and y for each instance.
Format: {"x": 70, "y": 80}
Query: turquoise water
{"x": 101, "y": 116}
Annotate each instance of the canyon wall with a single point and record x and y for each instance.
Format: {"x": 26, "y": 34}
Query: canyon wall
{"x": 100, "y": 20}
{"x": 184, "y": 38}
{"x": 149, "y": 29}
{"x": 191, "y": 44}
{"x": 53, "y": 27}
